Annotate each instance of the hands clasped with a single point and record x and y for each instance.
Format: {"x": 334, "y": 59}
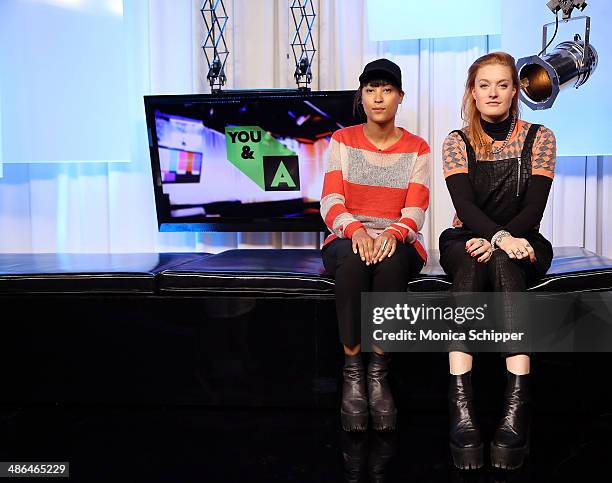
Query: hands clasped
{"x": 373, "y": 250}
{"x": 517, "y": 248}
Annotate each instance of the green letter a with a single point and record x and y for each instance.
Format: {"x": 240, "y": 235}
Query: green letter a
{"x": 282, "y": 176}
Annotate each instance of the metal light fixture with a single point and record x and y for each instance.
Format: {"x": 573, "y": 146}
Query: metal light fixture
{"x": 214, "y": 46}
{"x": 543, "y": 76}
{"x": 303, "y": 47}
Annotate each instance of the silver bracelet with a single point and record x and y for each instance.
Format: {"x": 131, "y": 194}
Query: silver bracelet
{"x": 498, "y": 237}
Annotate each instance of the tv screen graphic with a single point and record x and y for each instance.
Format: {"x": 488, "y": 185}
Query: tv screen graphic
{"x": 179, "y": 142}
{"x": 242, "y": 161}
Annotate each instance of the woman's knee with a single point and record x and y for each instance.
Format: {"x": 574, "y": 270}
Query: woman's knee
{"x": 390, "y": 274}
{"x": 467, "y": 266}
{"x": 499, "y": 258}
{"x": 403, "y": 263}
{"x": 351, "y": 264}
{"x": 505, "y": 274}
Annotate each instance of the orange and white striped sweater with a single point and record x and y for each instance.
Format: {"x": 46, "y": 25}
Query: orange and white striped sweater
{"x": 379, "y": 190}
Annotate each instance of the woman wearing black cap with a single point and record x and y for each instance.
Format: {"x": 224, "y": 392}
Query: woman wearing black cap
{"x": 499, "y": 171}
{"x": 374, "y": 199}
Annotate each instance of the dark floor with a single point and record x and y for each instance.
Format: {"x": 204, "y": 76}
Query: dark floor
{"x": 136, "y": 383}
{"x": 207, "y": 445}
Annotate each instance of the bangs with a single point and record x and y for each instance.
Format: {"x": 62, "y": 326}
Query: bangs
{"x": 379, "y": 82}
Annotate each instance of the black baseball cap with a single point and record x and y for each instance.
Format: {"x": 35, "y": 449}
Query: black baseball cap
{"x": 382, "y": 69}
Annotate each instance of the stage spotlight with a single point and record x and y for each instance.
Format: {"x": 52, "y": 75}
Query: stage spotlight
{"x": 304, "y": 66}
{"x": 302, "y": 44}
{"x": 543, "y": 76}
{"x": 215, "y": 68}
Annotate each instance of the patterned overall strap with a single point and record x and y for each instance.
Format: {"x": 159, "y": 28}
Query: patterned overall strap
{"x": 529, "y": 140}
{"x": 468, "y": 146}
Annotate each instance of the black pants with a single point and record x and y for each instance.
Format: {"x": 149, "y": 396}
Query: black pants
{"x": 500, "y": 274}
{"x": 353, "y": 276}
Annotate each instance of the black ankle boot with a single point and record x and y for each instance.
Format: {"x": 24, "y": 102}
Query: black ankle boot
{"x": 464, "y": 436}
{"x": 510, "y": 444}
{"x": 354, "y": 410}
{"x": 382, "y": 407}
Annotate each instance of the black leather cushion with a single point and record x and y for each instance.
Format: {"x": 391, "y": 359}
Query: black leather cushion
{"x": 86, "y": 273}
{"x": 291, "y": 272}
{"x": 301, "y": 273}
{"x": 575, "y": 269}
{"x": 297, "y": 272}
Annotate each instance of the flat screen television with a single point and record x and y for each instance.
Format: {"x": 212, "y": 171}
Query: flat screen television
{"x": 242, "y": 160}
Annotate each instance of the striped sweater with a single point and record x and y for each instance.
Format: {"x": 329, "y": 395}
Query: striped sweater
{"x": 379, "y": 190}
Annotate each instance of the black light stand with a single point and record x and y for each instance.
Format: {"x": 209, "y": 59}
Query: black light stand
{"x": 302, "y": 45}
{"x": 214, "y": 46}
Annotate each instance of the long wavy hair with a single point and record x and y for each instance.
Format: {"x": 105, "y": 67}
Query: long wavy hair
{"x": 469, "y": 112}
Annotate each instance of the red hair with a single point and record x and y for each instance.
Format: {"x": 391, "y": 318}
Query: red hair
{"x": 469, "y": 112}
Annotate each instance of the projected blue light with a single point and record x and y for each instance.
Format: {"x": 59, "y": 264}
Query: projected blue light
{"x": 402, "y": 20}
{"x": 64, "y": 81}
{"x": 1, "y": 166}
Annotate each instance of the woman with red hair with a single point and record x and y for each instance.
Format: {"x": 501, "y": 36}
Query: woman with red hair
{"x": 498, "y": 170}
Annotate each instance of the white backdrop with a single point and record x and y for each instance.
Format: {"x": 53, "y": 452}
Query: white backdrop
{"x": 106, "y": 207}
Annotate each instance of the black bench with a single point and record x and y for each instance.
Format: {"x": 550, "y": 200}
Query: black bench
{"x": 239, "y": 327}
{"x": 252, "y": 272}
{"x": 300, "y": 273}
